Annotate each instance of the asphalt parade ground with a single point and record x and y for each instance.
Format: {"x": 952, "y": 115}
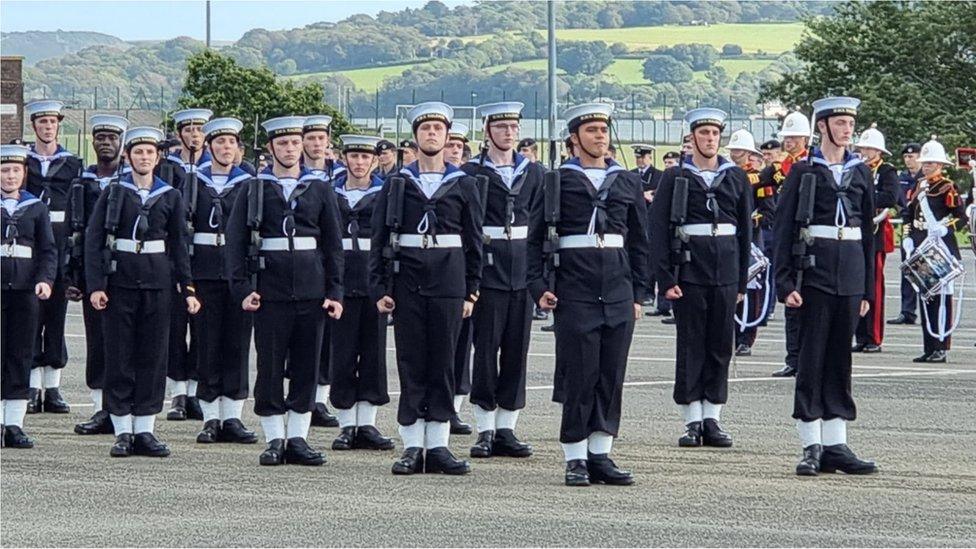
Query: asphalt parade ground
{"x": 916, "y": 420}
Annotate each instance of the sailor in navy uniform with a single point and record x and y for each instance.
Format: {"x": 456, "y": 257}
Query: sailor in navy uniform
{"x": 408, "y": 151}
{"x": 176, "y": 169}
{"x": 386, "y": 158}
{"x": 222, "y": 330}
{"x": 50, "y": 172}
{"x": 318, "y": 159}
{"x": 135, "y": 245}
{"x": 670, "y": 159}
{"x": 600, "y": 281}
{"x": 457, "y": 140}
{"x": 28, "y": 261}
{"x": 286, "y": 266}
{"x": 935, "y": 211}
{"x": 426, "y": 263}
{"x": 650, "y": 177}
{"x": 908, "y": 179}
{"x": 107, "y": 135}
{"x": 835, "y": 288}
{"x": 358, "y": 353}
{"x": 502, "y": 318}
{"x": 716, "y": 232}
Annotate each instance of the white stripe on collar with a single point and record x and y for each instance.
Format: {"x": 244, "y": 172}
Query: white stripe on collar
{"x": 162, "y": 189}
{"x": 41, "y": 157}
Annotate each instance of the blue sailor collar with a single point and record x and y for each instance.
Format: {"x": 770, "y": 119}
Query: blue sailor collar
{"x": 519, "y": 163}
{"x": 203, "y": 161}
{"x": 723, "y": 164}
{"x": 375, "y": 185}
{"x": 26, "y": 199}
{"x": 850, "y": 161}
{"x": 235, "y": 176}
{"x": 451, "y": 172}
{"x": 60, "y": 152}
{"x": 574, "y": 164}
{"x": 305, "y": 175}
{"x": 158, "y": 187}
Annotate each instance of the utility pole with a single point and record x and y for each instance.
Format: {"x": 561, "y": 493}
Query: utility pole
{"x": 551, "y": 9}
{"x": 208, "y": 24}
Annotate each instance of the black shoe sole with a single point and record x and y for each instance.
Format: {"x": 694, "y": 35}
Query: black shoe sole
{"x": 453, "y": 472}
{"x": 480, "y": 454}
{"x": 418, "y": 470}
{"x": 684, "y": 444}
{"x": 806, "y": 473}
{"x": 713, "y": 444}
{"x": 627, "y": 482}
{"x": 505, "y": 453}
{"x": 467, "y": 431}
{"x": 870, "y": 471}
{"x": 577, "y": 482}
{"x": 269, "y": 462}
{"x": 57, "y": 411}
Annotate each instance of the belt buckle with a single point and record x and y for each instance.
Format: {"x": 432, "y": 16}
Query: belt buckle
{"x": 8, "y": 249}
{"x": 840, "y": 233}
{"x": 138, "y": 246}
{"x": 714, "y": 229}
{"x": 425, "y": 241}
{"x": 599, "y": 241}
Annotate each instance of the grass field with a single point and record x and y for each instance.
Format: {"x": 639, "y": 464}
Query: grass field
{"x": 769, "y": 37}
{"x": 631, "y": 71}
{"x": 367, "y": 79}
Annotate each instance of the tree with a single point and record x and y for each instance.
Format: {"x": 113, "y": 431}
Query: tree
{"x": 731, "y": 49}
{"x": 588, "y": 58}
{"x": 218, "y": 83}
{"x": 913, "y": 65}
{"x": 666, "y": 69}
{"x": 699, "y": 57}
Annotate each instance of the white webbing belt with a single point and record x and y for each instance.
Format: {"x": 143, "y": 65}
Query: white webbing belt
{"x": 498, "y": 233}
{"x": 834, "y": 233}
{"x": 280, "y": 244}
{"x": 208, "y": 239}
{"x": 16, "y": 251}
{"x": 140, "y": 246}
{"x": 365, "y": 244}
{"x": 591, "y": 241}
{"x": 427, "y": 241}
{"x": 707, "y": 229}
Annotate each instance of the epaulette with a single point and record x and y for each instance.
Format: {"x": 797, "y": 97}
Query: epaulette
{"x": 952, "y": 196}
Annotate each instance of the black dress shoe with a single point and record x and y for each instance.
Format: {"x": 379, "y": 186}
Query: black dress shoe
{"x": 785, "y": 371}
{"x": 99, "y": 424}
{"x": 233, "y": 430}
{"x": 369, "y": 437}
{"x": 274, "y": 454}
{"x": 193, "y": 409}
{"x": 14, "y": 437}
{"x": 577, "y": 473}
{"x": 53, "y": 403}
{"x": 298, "y": 452}
{"x": 459, "y": 427}
{"x": 177, "y": 410}
{"x": 809, "y": 465}
{"x": 902, "y": 319}
{"x": 871, "y": 348}
{"x": 858, "y": 348}
{"x": 603, "y": 470}
{"x": 508, "y": 445}
{"x": 322, "y": 418}
{"x": 693, "y": 435}
{"x": 441, "y": 460}
{"x": 482, "y": 447}
{"x": 146, "y": 444}
{"x": 938, "y": 357}
{"x": 33, "y": 401}
{"x": 410, "y": 463}
{"x": 669, "y": 320}
{"x": 549, "y": 328}
{"x": 122, "y": 447}
{"x": 841, "y": 458}
{"x": 713, "y": 435}
{"x": 345, "y": 439}
{"x": 210, "y": 433}
{"x": 743, "y": 350}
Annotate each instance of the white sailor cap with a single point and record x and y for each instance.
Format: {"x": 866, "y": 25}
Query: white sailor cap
{"x": 317, "y": 123}
{"x": 188, "y": 117}
{"x": 13, "y": 153}
{"x": 44, "y": 107}
{"x": 143, "y": 135}
{"x": 706, "y": 116}
{"x": 359, "y": 143}
{"x": 742, "y": 140}
{"x": 506, "y": 110}
{"x": 431, "y": 110}
{"x": 835, "y": 106}
{"x": 283, "y": 125}
{"x": 578, "y": 115}
{"x": 641, "y": 149}
{"x": 108, "y": 123}
{"x": 458, "y": 131}
{"x": 223, "y": 126}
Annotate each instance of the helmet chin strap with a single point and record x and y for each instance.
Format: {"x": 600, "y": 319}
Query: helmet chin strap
{"x": 278, "y": 160}
{"x": 491, "y": 138}
{"x": 694, "y": 142}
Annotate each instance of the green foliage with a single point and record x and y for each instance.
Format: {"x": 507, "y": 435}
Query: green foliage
{"x": 217, "y": 82}
{"x": 588, "y": 58}
{"x": 666, "y": 69}
{"x": 35, "y": 46}
{"x": 731, "y": 49}
{"x": 913, "y": 64}
{"x": 699, "y": 57}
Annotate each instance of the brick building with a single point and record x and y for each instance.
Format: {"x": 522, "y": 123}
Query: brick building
{"x": 11, "y": 98}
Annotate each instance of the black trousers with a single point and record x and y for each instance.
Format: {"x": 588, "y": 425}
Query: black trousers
{"x": 182, "y": 363}
{"x": 222, "y": 331}
{"x": 359, "y": 355}
{"x": 769, "y": 250}
{"x": 325, "y": 361}
{"x": 791, "y": 319}
{"x": 426, "y": 331}
{"x": 705, "y": 325}
{"x": 755, "y": 305}
{"x": 823, "y": 377}
{"x": 932, "y": 308}
{"x": 50, "y": 348}
{"x": 19, "y": 320}
{"x": 136, "y": 349}
{"x": 462, "y": 358}
{"x": 94, "y": 345}
{"x": 592, "y": 344}
{"x": 870, "y": 327}
{"x": 502, "y": 323}
{"x": 289, "y": 330}
{"x": 908, "y": 295}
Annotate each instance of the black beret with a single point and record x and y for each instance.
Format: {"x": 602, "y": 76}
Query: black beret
{"x": 385, "y": 145}
{"x": 911, "y": 148}
{"x": 770, "y": 145}
{"x": 527, "y": 142}
{"x": 408, "y": 144}
{"x": 671, "y": 155}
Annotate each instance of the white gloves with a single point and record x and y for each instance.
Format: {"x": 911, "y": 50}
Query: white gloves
{"x": 938, "y": 231}
{"x": 908, "y": 246}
